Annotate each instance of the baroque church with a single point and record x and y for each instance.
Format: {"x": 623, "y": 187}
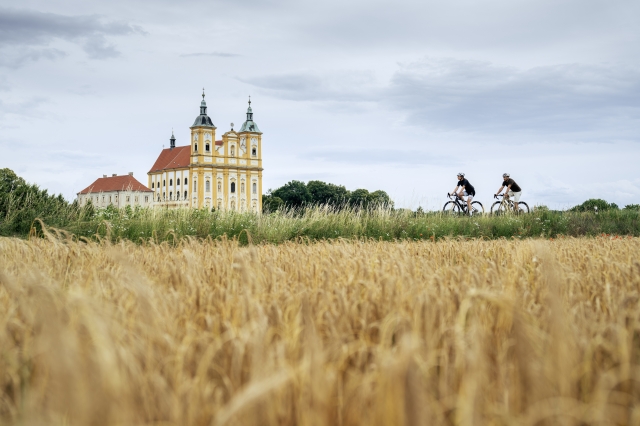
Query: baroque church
{"x": 225, "y": 174}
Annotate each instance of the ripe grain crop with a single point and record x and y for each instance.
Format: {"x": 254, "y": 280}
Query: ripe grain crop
{"x": 452, "y": 332}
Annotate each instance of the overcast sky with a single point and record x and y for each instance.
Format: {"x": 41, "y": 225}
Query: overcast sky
{"x": 395, "y": 95}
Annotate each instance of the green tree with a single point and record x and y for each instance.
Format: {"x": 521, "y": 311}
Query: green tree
{"x": 271, "y": 203}
{"x": 591, "y": 204}
{"x": 327, "y": 193}
{"x": 380, "y": 198}
{"x": 21, "y": 203}
{"x": 293, "y": 194}
{"x": 635, "y": 207}
{"x": 360, "y": 198}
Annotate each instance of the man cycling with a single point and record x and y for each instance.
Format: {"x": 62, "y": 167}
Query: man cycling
{"x": 466, "y": 190}
{"x": 512, "y": 190}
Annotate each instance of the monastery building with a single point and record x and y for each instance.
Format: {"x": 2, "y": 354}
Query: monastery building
{"x": 225, "y": 174}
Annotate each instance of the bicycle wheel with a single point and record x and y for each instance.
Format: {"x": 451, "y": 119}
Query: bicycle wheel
{"x": 522, "y": 208}
{"x": 497, "y": 208}
{"x": 477, "y": 208}
{"x": 451, "y": 208}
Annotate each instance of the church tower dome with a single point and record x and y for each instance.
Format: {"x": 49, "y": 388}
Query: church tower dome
{"x": 203, "y": 119}
{"x": 250, "y": 125}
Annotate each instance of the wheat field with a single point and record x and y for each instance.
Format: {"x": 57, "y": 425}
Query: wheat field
{"x": 453, "y": 332}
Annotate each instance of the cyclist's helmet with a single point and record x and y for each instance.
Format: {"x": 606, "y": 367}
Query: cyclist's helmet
{"x": 461, "y": 174}
{"x": 505, "y": 175}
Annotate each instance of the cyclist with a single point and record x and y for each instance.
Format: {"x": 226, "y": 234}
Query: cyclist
{"x": 512, "y": 190}
{"x": 466, "y": 190}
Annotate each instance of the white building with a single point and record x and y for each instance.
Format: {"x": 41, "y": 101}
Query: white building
{"x": 119, "y": 191}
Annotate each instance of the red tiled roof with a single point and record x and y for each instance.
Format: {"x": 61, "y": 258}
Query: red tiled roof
{"x": 218, "y": 143}
{"x": 115, "y": 183}
{"x": 172, "y": 158}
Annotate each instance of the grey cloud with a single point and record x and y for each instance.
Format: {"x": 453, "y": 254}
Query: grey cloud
{"x": 344, "y": 86}
{"x": 22, "y": 28}
{"x": 217, "y": 54}
{"x": 473, "y": 96}
{"x": 15, "y": 58}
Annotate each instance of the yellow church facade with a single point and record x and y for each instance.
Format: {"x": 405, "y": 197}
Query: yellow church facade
{"x": 224, "y": 174}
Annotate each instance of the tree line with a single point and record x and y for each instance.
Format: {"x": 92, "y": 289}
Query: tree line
{"x": 297, "y": 194}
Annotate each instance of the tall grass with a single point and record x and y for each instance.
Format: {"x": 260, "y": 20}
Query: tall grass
{"x": 499, "y": 332}
{"x": 322, "y": 223}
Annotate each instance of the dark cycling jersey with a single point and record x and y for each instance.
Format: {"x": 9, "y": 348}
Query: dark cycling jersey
{"x": 467, "y": 186}
{"x": 514, "y": 185}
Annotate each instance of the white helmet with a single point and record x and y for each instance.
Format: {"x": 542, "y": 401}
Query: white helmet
{"x": 505, "y": 175}
{"x": 461, "y": 174}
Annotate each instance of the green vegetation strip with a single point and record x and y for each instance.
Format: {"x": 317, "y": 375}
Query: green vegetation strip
{"x": 324, "y": 223}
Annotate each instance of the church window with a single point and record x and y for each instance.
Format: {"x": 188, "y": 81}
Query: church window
{"x": 208, "y": 186}
{"x": 233, "y": 187}
{"x": 242, "y": 187}
{"x": 103, "y": 198}
{"x": 128, "y": 198}
{"x": 178, "y": 182}
{"x": 170, "y": 182}
{"x": 207, "y": 147}
{"x": 185, "y": 181}
{"x": 171, "y": 195}
{"x": 195, "y": 148}
{"x": 194, "y": 186}
{"x": 164, "y": 182}
{"x": 219, "y": 186}
{"x": 164, "y": 196}
{"x": 152, "y": 183}
{"x": 177, "y": 195}
{"x": 158, "y": 197}
{"x": 185, "y": 195}
{"x": 254, "y": 152}
{"x": 255, "y": 188}
{"x": 233, "y": 150}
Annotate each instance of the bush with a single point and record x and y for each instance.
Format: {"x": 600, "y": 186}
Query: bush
{"x": 635, "y": 207}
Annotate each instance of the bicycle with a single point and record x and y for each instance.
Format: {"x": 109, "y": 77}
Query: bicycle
{"x": 456, "y": 207}
{"x": 506, "y": 206}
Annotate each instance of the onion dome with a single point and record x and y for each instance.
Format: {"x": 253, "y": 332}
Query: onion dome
{"x": 203, "y": 119}
{"x": 249, "y": 125}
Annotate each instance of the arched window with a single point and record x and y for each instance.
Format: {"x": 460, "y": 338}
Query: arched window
{"x": 233, "y": 187}
{"x": 164, "y": 182}
{"x": 242, "y": 187}
{"x": 254, "y": 152}
{"x": 164, "y": 196}
{"x": 195, "y": 147}
{"x": 206, "y": 147}
{"x": 185, "y": 181}
{"x": 194, "y": 186}
{"x": 208, "y": 186}
{"x": 185, "y": 195}
{"x": 178, "y": 182}
{"x": 219, "y": 186}
{"x": 255, "y": 188}
{"x": 170, "y": 195}
{"x": 170, "y": 182}
{"x": 233, "y": 150}
{"x": 152, "y": 183}
{"x": 158, "y": 197}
